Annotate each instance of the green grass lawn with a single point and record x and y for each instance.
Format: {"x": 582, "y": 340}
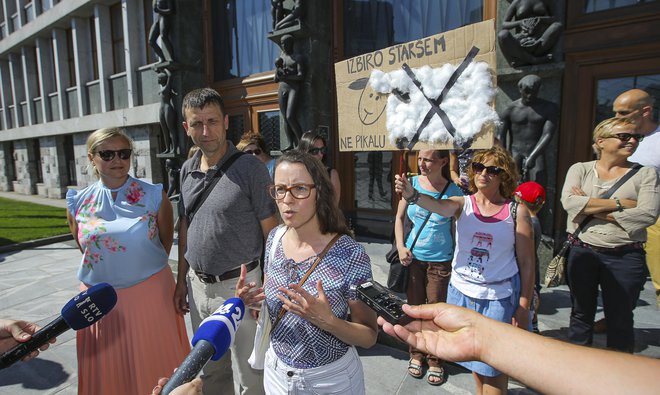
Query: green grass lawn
{"x": 20, "y": 221}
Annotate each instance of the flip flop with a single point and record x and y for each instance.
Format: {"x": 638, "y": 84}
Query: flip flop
{"x": 412, "y": 365}
{"x": 439, "y": 374}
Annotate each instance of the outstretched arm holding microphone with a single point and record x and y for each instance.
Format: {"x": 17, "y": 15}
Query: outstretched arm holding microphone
{"x": 458, "y": 334}
{"x": 13, "y": 332}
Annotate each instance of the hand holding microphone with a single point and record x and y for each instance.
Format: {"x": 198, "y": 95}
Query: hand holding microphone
{"x": 212, "y": 339}
{"x": 14, "y": 332}
{"x": 80, "y": 312}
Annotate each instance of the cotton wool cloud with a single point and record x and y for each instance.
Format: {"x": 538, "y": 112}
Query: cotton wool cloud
{"x": 467, "y": 103}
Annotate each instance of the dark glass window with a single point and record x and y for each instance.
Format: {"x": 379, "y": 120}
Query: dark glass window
{"x": 69, "y": 57}
{"x": 92, "y": 38}
{"x": 36, "y": 147}
{"x": 608, "y": 89}
{"x": 373, "y": 180}
{"x": 374, "y": 24}
{"x": 11, "y": 171}
{"x": 70, "y": 160}
{"x": 236, "y": 127}
{"x": 239, "y": 38}
{"x": 117, "y": 31}
{"x": 602, "y": 5}
{"x": 269, "y": 128}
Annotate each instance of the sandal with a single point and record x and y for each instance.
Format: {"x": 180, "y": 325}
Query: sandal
{"x": 413, "y": 365}
{"x": 439, "y": 374}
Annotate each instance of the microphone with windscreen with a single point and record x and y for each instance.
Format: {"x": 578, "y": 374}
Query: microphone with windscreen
{"x": 212, "y": 339}
{"x": 83, "y": 310}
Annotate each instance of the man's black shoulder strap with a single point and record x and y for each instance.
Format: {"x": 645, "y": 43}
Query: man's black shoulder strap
{"x": 192, "y": 209}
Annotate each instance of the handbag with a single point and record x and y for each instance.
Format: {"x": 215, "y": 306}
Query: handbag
{"x": 555, "y": 274}
{"x": 264, "y": 326}
{"x": 397, "y": 278}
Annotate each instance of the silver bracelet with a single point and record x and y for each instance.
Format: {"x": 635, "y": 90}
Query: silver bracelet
{"x": 619, "y": 207}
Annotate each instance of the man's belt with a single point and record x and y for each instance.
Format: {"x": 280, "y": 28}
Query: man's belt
{"x": 228, "y": 275}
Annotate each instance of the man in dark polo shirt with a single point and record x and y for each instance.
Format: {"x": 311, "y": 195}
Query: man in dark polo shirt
{"x": 227, "y": 229}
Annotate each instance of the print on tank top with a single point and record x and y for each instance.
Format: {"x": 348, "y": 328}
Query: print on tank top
{"x": 479, "y": 254}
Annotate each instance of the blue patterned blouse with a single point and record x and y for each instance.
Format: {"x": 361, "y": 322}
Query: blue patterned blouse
{"x": 119, "y": 237}
{"x": 296, "y": 341}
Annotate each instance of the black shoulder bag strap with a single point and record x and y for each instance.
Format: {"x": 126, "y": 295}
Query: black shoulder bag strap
{"x": 192, "y": 209}
{"x": 427, "y": 218}
{"x": 633, "y": 170}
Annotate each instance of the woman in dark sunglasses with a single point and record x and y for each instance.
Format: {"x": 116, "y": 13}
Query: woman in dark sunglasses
{"x": 253, "y": 144}
{"x": 608, "y": 252}
{"x": 315, "y": 144}
{"x": 493, "y": 263}
{"x": 123, "y": 227}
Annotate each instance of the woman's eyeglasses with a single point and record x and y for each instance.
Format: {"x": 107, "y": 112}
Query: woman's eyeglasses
{"x": 107, "y": 155}
{"x": 316, "y": 151}
{"x": 625, "y": 137}
{"x": 298, "y": 191}
{"x": 492, "y": 170}
{"x": 255, "y": 152}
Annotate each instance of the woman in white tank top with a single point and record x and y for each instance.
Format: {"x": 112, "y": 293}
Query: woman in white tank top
{"x": 493, "y": 266}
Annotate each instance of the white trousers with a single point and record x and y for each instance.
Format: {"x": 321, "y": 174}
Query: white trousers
{"x": 343, "y": 376}
{"x": 231, "y": 373}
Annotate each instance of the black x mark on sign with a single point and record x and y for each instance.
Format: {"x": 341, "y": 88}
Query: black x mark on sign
{"x": 435, "y": 103}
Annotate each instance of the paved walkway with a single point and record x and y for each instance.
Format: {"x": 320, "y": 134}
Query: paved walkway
{"x": 36, "y": 283}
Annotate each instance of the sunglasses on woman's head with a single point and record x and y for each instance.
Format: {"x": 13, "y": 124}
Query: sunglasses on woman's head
{"x": 492, "y": 170}
{"x": 625, "y": 137}
{"x": 255, "y": 152}
{"x": 108, "y": 154}
{"x": 316, "y": 151}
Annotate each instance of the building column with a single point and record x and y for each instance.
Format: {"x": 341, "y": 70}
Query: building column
{"x": 130, "y": 17}
{"x": 28, "y": 65}
{"x": 20, "y": 20}
{"x": 82, "y": 51}
{"x": 62, "y": 80}
{"x": 5, "y": 94}
{"x": 46, "y": 80}
{"x": 104, "y": 53}
{"x": 17, "y": 88}
{"x": 7, "y": 10}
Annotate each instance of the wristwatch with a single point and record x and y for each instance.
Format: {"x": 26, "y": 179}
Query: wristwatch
{"x": 619, "y": 207}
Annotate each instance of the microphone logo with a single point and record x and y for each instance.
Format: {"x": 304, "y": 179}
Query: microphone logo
{"x": 220, "y": 327}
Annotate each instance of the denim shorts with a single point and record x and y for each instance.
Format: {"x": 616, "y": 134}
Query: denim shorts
{"x": 499, "y": 310}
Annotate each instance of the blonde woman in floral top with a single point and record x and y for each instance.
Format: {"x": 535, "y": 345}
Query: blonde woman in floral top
{"x": 123, "y": 227}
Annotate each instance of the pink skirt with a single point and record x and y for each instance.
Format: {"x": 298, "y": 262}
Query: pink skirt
{"x": 139, "y": 341}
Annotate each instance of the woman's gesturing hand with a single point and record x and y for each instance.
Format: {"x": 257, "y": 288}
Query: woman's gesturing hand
{"x": 249, "y": 293}
{"x": 314, "y": 309}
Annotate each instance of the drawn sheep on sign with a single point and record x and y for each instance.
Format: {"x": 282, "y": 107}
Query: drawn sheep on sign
{"x": 371, "y": 104}
{"x": 467, "y": 103}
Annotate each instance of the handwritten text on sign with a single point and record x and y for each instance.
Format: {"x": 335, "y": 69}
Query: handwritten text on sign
{"x": 397, "y": 54}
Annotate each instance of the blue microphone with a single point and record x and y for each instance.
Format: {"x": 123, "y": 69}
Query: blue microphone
{"x": 211, "y": 341}
{"x": 83, "y": 310}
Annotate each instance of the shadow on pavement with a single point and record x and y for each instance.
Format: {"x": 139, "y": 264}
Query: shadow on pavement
{"x": 39, "y": 374}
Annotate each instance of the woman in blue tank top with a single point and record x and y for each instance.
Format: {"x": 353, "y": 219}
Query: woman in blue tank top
{"x": 429, "y": 259}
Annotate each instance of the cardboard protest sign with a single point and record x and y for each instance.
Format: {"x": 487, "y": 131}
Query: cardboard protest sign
{"x": 363, "y": 111}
